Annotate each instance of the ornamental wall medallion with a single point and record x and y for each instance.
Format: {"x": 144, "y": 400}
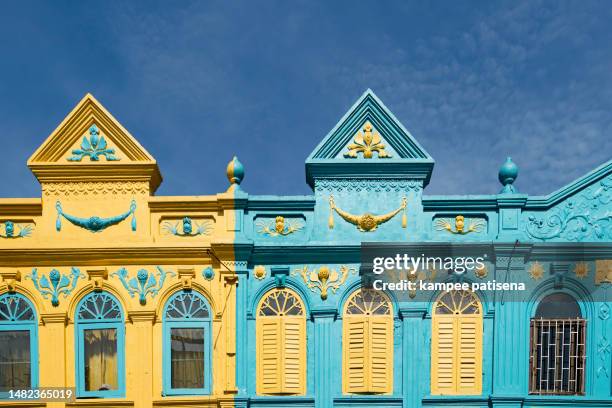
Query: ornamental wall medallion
{"x": 457, "y": 225}
{"x": 187, "y": 227}
{"x": 366, "y": 222}
{"x": 536, "y": 271}
{"x": 94, "y": 223}
{"x": 324, "y": 278}
{"x": 280, "y": 226}
{"x": 603, "y": 271}
{"x": 13, "y": 230}
{"x": 581, "y": 270}
{"x": 366, "y": 143}
{"x": 260, "y": 272}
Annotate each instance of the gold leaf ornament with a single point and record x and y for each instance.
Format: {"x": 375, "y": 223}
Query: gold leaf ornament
{"x": 367, "y": 142}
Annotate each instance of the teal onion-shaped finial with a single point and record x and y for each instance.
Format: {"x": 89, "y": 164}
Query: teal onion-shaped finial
{"x": 235, "y": 171}
{"x": 508, "y": 172}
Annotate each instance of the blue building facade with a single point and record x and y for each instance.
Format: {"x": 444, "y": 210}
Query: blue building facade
{"x": 369, "y": 176}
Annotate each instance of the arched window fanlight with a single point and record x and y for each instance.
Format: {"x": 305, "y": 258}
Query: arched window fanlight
{"x": 557, "y": 356}
{"x": 19, "y": 343}
{"x": 367, "y": 343}
{"x": 187, "y": 345}
{"x": 281, "y": 343}
{"x": 456, "y": 344}
{"x": 100, "y": 346}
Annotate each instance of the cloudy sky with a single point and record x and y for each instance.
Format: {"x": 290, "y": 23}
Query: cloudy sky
{"x": 198, "y": 82}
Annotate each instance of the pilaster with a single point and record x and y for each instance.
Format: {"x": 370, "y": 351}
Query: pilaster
{"x": 325, "y": 348}
{"x": 412, "y": 366}
{"x": 52, "y": 349}
{"x": 139, "y": 365}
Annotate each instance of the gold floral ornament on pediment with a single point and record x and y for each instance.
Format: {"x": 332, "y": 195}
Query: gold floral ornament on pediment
{"x": 367, "y": 141}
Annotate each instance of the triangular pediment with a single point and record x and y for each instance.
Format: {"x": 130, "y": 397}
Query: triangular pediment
{"x": 369, "y": 139}
{"x": 369, "y": 112}
{"x": 88, "y": 123}
{"x": 93, "y": 141}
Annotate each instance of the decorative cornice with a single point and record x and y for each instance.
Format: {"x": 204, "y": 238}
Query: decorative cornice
{"x": 20, "y": 207}
{"x": 101, "y": 256}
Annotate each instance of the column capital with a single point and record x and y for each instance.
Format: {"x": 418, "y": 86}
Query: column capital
{"x": 322, "y": 313}
{"x": 58, "y": 317}
{"x": 412, "y": 313}
{"x": 142, "y": 316}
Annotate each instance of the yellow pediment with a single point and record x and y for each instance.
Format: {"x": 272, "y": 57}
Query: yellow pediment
{"x": 93, "y": 141}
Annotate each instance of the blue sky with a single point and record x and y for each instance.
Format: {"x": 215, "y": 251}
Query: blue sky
{"x": 198, "y": 82}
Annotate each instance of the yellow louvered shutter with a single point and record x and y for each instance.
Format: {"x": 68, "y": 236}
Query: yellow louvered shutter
{"x": 354, "y": 341}
{"x": 443, "y": 356}
{"x": 294, "y": 356}
{"x": 281, "y": 344}
{"x": 456, "y": 345}
{"x": 367, "y": 344}
{"x": 381, "y": 355}
{"x": 268, "y": 356}
{"x": 469, "y": 342}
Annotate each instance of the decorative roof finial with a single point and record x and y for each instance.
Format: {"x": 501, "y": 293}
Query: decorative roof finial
{"x": 235, "y": 171}
{"x": 507, "y": 174}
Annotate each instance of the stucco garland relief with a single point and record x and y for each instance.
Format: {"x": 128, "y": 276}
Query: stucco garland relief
{"x": 366, "y": 222}
{"x": 370, "y": 185}
{"x": 587, "y": 216}
{"x": 95, "y": 223}
{"x": 95, "y": 189}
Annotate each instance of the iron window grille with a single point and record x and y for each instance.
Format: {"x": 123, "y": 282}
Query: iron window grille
{"x": 557, "y": 356}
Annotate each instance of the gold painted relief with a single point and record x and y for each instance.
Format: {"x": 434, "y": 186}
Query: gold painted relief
{"x": 366, "y": 222}
{"x": 445, "y": 224}
{"x": 324, "y": 278}
{"x": 279, "y": 227}
{"x": 367, "y": 142}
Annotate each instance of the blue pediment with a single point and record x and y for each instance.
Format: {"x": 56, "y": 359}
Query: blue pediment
{"x": 369, "y": 141}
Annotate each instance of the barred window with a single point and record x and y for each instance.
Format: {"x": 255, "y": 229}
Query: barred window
{"x": 557, "y": 351}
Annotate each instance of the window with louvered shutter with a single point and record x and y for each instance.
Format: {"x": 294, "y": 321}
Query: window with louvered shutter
{"x": 367, "y": 344}
{"x": 456, "y": 345}
{"x": 281, "y": 344}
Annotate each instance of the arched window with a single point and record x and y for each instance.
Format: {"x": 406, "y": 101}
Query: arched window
{"x": 100, "y": 345}
{"x": 557, "y": 347}
{"x": 187, "y": 344}
{"x": 456, "y": 344}
{"x": 281, "y": 343}
{"x": 367, "y": 343}
{"x": 18, "y": 343}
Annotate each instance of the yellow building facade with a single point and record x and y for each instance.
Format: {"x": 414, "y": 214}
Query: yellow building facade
{"x": 98, "y": 236}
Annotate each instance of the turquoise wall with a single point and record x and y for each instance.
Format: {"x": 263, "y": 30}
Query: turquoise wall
{"x": 521, "y": 229}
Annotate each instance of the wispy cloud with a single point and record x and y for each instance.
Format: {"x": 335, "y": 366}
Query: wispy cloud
{"x": 198, "y": 82}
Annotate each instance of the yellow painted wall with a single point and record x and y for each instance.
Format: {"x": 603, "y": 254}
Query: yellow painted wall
{"x": 106, "y": 189}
